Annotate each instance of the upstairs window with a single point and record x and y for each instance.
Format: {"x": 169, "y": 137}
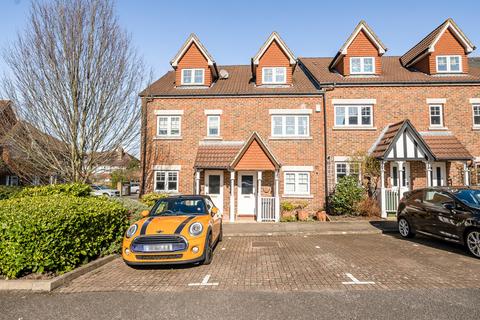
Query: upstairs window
{"x": 353, "y": 116}
{"x": 436, "y": 115}
{"x": 449, "y": 64}
{"x": 193, "y": 76}
{"x": 290, "y": 126}
{"x": 213, "y": 126}
{"x": 476, "y": 115}
{"x": 276, "y": 75}
{"x": 362, "y": 65}
{"x": 168, "y": 126}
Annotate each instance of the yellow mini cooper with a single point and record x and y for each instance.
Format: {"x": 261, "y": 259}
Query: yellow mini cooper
{"x": 180, "y": 229}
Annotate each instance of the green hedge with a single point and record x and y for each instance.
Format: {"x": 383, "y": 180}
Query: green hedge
{"x": 7, "y": 192}
{"x": 150, "y": 199}
{"x": 68, "y": 189}
{"x": 57, "y": 233}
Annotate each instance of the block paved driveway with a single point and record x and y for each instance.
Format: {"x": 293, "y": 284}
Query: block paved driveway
{"x": 290, "y": 263}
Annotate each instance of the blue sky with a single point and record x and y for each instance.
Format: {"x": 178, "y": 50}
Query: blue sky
{"x": 234, "y": 30}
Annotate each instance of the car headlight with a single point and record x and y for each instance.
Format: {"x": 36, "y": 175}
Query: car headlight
{"x": 131, "y": 231}
{"x": 195, "y": 229}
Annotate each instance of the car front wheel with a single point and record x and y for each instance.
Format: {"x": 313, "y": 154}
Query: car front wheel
{"x": 208, "y": 251}
{"x": 404, "y": 228}
{"x": 473, "y": 242}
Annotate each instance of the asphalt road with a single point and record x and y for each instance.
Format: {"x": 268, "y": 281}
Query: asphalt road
{"x": 372, "y": 304}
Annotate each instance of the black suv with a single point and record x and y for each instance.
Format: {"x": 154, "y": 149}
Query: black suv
{"x": 447, "y": 213}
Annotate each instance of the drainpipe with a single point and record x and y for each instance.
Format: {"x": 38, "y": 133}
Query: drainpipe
{"x": 143, "y": 142}
{"x": 325, "y": 90}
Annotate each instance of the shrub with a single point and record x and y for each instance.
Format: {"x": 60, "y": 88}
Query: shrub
{"x": 70, "y": 189}
{"x": 346, "y": 196}
{"x": 134, "y": 207}
{"x": 291, "y": 218}
{"x": 368, "y": 207}
{"x": 7, "y": 192}
{"x": 150, "y": 198}
{"x": 56, "y": 233}
{"x": 291, "y": 206}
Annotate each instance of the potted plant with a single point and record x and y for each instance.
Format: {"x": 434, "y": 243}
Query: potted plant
{"x": 302, "y": 213}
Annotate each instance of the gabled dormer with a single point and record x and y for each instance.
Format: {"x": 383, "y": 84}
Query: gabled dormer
{"x": 193, "y": 65}
{"x": 360, "y": 54}
{"x": 274, "y": 63}
{"x": 443, "y": 51}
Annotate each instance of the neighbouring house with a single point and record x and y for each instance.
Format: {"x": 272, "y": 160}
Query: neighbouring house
{"x": 117, "y": 160}
{"x": 283, "y": 128}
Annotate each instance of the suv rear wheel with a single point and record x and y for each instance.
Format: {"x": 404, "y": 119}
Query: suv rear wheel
{"x": 404, "y": 228}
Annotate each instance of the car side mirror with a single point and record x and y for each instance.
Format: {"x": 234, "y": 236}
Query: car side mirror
{"x": 449, "y": 205}
{"x": 145, "y": 213}
{"x": 214, "y": 211}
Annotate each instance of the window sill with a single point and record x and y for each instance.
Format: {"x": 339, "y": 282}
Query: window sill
{"x": 212, "y": 138}
{"x": 437, "y": 128}
{"x": 167, "y": 192}
{"x": 476, "y": 128}
{"x": 291, "y": 138}
{"x": 302, "y": 196}
{"x": 355, "y": 128}
{"x": 167, "y": 138}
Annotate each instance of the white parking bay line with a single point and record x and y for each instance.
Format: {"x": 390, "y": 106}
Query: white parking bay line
{"x": 355, "y": 280}
{"x": 204, "y": 282}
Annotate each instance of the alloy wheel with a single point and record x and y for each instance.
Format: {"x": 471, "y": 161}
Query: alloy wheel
{"x": 473, "y": 243}
{"x": 403, "y": 228}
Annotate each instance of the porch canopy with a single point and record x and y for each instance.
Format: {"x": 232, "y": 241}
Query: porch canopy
{"x": 401, "y": 142}
{"x": 251, "y": 155}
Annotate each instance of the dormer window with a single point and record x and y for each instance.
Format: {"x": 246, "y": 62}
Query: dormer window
{"x": 449, "y": 64}
{"x": 193, "y": 76}
{"x": 274, "y": 75}
{"x": 362, "y": 65}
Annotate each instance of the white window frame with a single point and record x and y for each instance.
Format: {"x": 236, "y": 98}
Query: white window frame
{"x": 362, "y": 65}
{"x": 449, "y": 64}
{"x": 475, "y": 105}
{"x": 430, "y": 106}
{"x": 359, "y": 116}
{"x": 208, "y": 126}
{"x": 274, "y": 75}
{"x": 169, "y": 126}
{"x": 348, "y": 168}
{"x": 284, "y": 126}
{"x": 167, "y": 173}
{"x": 296, "y": 174}
{"x": 193, "y": 83}
{"x": 12, "y": 181}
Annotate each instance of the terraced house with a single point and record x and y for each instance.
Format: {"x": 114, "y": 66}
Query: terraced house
{"x": 287, "y": 128}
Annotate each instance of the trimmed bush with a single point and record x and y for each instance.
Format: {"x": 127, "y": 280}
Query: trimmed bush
{"x": 68, "y": 189}
{"x": 368, "y": 207}
{"x": 57, "y": 233}
{"x": 7, "y": 192}
{"x": 346, "y": 196}
{"x": 133, "y": 206}
{"x": 151, "y": 198}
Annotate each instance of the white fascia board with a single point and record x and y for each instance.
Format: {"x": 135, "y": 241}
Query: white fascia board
{"x": 354, "y": 101}
{"x": 168, "y": 112}
{"x": 297, "y": 168}
{"x": 213, "y": 112}
{"x": 290, "y": 111}
{"x": 174, "y": 62}
{"x": 369, "y": 35}
{"x": 167, "y": 167}
{"x": 458, "y": 35}
{"x": 436, "y": 100}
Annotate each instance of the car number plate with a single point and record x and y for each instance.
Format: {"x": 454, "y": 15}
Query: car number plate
{"x": 158, "y": 247}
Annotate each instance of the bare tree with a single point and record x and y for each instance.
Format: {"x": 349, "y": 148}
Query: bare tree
{"x": 75, "y": 78}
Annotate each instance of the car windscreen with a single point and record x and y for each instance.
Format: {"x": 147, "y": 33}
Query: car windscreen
{"x": 469, "y": 197}
{"x": 178, "y": 207}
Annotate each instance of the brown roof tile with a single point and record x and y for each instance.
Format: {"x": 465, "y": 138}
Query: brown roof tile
{"x": 239, "y": 82}
{"x": 447, "y": 147}
{"x": 392, "y": 72}
{"x": 216, "y": 156}
{"x": 387, "y": 139}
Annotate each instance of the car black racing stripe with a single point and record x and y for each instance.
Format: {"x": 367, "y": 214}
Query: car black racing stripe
{"x": 145, "y": 225}
{"x": 182, "y": 225}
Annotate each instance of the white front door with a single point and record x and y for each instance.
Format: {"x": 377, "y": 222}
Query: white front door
{"x": 247, "y": 185}
{"x": 404, "y": 184}
{"x": 439, "y": 174}
{"x": 214, "y": 188}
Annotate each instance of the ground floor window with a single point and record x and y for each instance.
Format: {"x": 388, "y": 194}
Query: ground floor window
{"x": 343, "y": 169}
{"x": 297, "y": 183}
{"x": 477, "y": 173}
{"x": 166, "y": 181}
{"x": 12, "y": 181}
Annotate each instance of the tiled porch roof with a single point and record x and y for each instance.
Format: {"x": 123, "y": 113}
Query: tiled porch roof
{"x": 217, "y": 156}
{"x": 447, "y": 147}
{"x": 387, "y": 138}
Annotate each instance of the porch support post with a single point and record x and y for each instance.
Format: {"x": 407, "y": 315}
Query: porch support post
{"x": 466, "y": 174}
{"x": 401, "y": 169}
{"x": 382, "y": 189}
{"x": 259, "y": 196}
{"x": 277, "y": 195}
{"x": 197, "y": 181}
{"x": 428, "y": 166}
{"x": 232, "y": 196}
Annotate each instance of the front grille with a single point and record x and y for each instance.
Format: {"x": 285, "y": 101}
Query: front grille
{"x": 158, "y": 256}
{"x": 177, "y": 243}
